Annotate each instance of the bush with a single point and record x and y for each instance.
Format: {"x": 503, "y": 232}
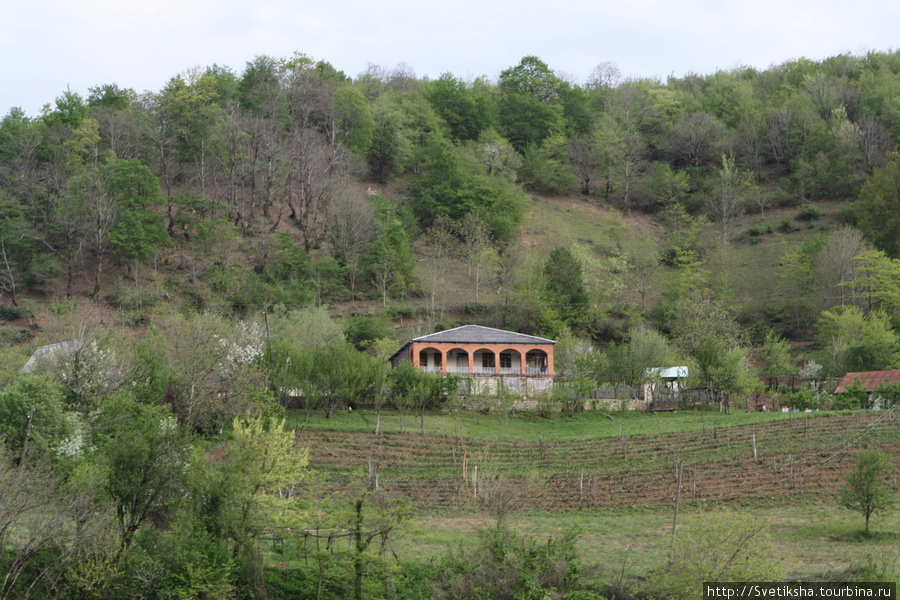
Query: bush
{"x": 753, "y": 232}
{"x": 134, "y": 297}
{"x": 11, "y": 313}
{"x": 787, "y": 226}
{"x": 362, "y": 330}
{"x": 801, "y": 400}
{"x": 8, "y": 337}
{"x": 808, "y": 212}
{"x": 506, "y": 564}
{"x": 722, "y": 548}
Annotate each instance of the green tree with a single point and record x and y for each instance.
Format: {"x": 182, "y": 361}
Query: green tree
{"x": 699, "y": 318}
{"x": 139, "y": 229}
{"x": 389, "y": 261}
{"x": 866, "y": 487}
{"x": 775, "y": 360}
{"x": 729, "y": 200}
{"x": 564, "y": 287}
{"x": 723, "y": 370}
{"x": 462, "y": 107}
{"x": 632, "y": 362}
{"x": 546, "y": 167}
{"x": 665, "y": 186}
{"x": 353, "y": 120}
{"x": 143, "y": 454}
{"x": 455, "y": 184}
{"x": 265, "y": 457}
{"x": 505, "y": 564}
{"x": 497, "y": 155}
{"x": 17, "y": 248}
{"x": 209, "y": 367}
{"x": 419, "y": 391}
{"x": 32, "y": 416}
{"x": 391, "y": 147}
{"x": 798, "y": 280}
{"x": 877, "y": 209}
{"x": 530, "y": 109}
{"x": 330, "y": 375}
{"x": 865, "y": 342}
{"x": 878, "y": 280}
{"x": 43, "y": 548}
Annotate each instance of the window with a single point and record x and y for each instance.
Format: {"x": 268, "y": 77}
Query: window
{"x": 487, "y": 360}
{"x": 505, "y": 360}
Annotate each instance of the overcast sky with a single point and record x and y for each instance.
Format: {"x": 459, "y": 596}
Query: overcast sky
{"x": 49, "y": 45}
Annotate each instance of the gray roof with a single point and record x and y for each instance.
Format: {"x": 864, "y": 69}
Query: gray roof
{"x": 51, "y": 353}
{"x": 476, "y": 334}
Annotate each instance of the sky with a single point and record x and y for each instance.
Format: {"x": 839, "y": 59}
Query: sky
{"x": 48, "y": 46}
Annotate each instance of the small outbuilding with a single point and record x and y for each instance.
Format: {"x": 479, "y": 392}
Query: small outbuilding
{"x": 871, "y": 380}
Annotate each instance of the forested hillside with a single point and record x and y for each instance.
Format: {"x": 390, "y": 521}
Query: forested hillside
{"x": 291, "y": 183}
{"x": 239, "y": 243}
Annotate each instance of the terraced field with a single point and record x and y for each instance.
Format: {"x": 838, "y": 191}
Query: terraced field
{"x": 796, "y": 456}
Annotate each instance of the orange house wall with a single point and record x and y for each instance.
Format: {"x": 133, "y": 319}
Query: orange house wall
{"x": 417, "y": 347}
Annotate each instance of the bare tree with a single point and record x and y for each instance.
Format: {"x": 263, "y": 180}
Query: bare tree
{"x": 54, "y": 528}
{"x": 779, "y": 142}
{"x": 605, "y": 75}
{"x": 479, "y": 251}
{"x": 584, "y": 159}
{"x": 875, "y": 141}
{"x": 729, "y": 200}
{"x": 835, "y": 268}
{"x": 231, "y": 177}
{"x": 403, "y": 78}
{"x": 314, "y": 178}
{"x": 694, "y": 139}
{"x": 643, "y": 255}
{"x": 123, "y": 130}
{"x": 438, "y": 248}
{"x": 266, "y": 154}
{"x": 352, "y": 229}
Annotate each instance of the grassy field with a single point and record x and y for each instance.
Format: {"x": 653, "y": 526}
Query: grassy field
{"x": 812, "y": 540}
{"x": 611, "y": 477}
{"x": 526, "y": 426}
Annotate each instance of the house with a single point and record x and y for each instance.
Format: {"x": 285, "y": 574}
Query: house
{"x": 49, "y": 356}
{"x": 491, "y": 359}
{"x": 871, "y": 380}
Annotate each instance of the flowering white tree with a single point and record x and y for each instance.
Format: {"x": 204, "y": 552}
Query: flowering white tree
{"x": 212, "y": 367}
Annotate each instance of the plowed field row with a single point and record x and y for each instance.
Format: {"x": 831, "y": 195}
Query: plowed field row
{"x": 793, "y": 457}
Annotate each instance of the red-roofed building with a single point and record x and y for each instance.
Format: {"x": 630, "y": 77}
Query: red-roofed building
{"x": 870, "y": 379}
{"x": 873, "y": 381}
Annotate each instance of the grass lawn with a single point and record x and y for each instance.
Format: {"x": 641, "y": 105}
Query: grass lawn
{"x": 525, "y": 426}
{"x": 812, "y": 541}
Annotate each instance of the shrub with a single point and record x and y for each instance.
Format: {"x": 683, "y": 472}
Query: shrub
{"x": 14, "y": 336}
{"x": 809, "y": 212}
{"x": 11, "y": 313}
{"x": 506, "y": 564}
{"x": 786, "y": 226}
{"x": 801, "y": 400}
{"x": 721, "y": 548}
